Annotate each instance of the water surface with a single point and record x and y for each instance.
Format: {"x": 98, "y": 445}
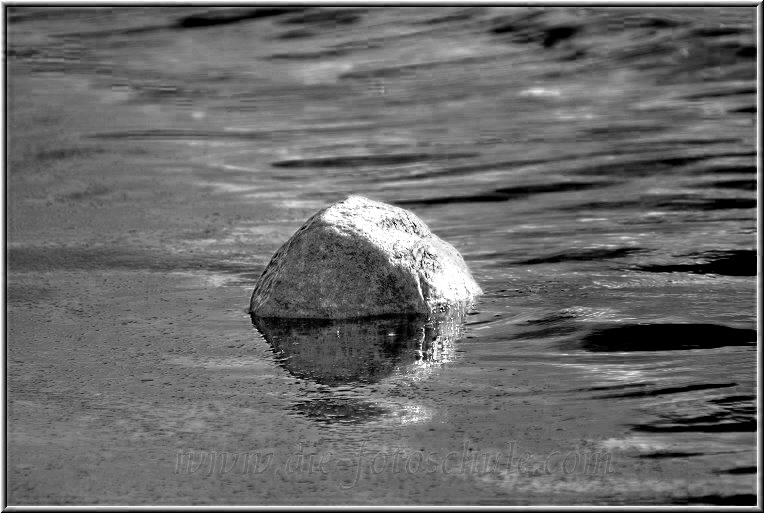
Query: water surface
{"x": 595, "y": 167}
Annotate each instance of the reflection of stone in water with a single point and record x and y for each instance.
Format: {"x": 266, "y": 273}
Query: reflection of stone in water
{"x": 335, "y": 352}
{"x": 339, "y": 409}
{"x": 440, "y": 336}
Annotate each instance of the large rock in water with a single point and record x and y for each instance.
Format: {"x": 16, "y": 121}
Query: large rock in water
{"x": 361, "y": 258}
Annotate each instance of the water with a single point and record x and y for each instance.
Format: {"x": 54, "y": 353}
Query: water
{"x": 595, "y": 167}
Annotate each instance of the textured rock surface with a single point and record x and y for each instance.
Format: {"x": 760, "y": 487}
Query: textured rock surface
{"x": 361, "y": 258}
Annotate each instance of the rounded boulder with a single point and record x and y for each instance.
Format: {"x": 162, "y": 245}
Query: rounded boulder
{"x": 359, "y": 258}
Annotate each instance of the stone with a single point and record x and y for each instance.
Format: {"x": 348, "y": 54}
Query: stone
{"x": 360, "y": 258}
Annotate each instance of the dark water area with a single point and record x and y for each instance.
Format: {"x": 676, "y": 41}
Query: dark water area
{"x": 596, "y": 167}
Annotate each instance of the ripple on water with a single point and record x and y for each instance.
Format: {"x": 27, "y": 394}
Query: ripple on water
{"x": 665, "y": 337}
{"x": 741, "y": 262}
{"x": 603, "y": 194}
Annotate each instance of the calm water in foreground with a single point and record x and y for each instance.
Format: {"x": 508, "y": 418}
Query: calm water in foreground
{"x": 595, "y": 167}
